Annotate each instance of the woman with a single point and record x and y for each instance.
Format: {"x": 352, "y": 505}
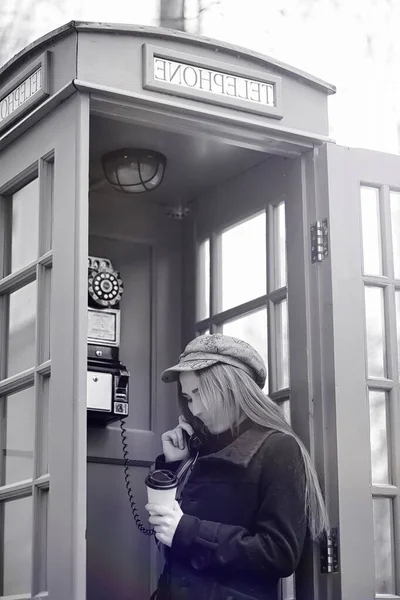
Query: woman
{"x": 253, "y": 494}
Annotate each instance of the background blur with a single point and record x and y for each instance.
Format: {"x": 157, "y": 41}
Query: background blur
{"x": 354, "y": 44}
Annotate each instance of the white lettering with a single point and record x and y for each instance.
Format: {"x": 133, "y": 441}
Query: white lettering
{"x": 231, "y": 83}
{"x": 255, "y": 91}
{"x": 214, "y": 82}
{"x": 159, "y": 69}
{"x": 172, "y": 75}
{"x": 34, "y": 83}
{"x": 189, "y": 73}
{"x": 270, "y": 95}
{"x": 218, "y": 80}
{"x": 3, "y": 109}
{"x": 205, "y": 77}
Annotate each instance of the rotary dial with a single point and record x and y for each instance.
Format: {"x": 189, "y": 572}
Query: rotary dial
{"x": 105, "y": 288}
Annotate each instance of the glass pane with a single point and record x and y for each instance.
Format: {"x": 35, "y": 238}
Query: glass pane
{"x": 251, "y": 328}
{"x": 383, "y": 537}
{"x": 375, "y": 331}
{"x": 203, "y": 280}
{"x": 379, "y": 440}
{"x": 395, "y": 218}
{"x": 17, "y": 547}
{"x": 46, "y": 219}
{"x": 41, "y": 542}
{"x": 43, "y": 429}
{"x": 45, "y": 298}
{"x": 280, "y": 248}
{"x": 282, "y": 345}
{"x": 371, "y": 231}
{"x": 288, "y": 592}
{"x": 285, "y": 405}
{"x": 25, "y": 226}
{"x": 17, "y": 436}
{"x": 244, "y": 262}
{"x": 398, "y": 326}
{"x": 21, "y": 330}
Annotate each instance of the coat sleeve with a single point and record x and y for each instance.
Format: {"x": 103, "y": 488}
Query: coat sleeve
{"x": 275, "y": 546}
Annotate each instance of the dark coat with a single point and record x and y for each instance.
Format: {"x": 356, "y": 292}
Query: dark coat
{"x": 243, "y": 526}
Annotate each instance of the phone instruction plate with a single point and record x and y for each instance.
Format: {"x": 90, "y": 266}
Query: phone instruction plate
{"x": 103, "y": 327}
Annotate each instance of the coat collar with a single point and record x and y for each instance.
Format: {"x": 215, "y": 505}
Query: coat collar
{"x": 241, "y": 451}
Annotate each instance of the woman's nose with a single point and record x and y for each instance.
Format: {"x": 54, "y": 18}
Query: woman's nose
{"x": 195, "y": 408}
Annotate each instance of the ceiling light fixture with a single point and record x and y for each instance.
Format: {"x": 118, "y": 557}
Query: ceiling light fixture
{"x": 134, "y": 171}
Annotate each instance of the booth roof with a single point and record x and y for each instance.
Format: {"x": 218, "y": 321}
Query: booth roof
{"x": 156, "y": 32}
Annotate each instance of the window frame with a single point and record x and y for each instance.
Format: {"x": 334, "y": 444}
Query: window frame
{"x": 38, "y": 271}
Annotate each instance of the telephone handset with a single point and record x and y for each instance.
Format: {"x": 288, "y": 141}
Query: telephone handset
{"x": 193, "y": 442}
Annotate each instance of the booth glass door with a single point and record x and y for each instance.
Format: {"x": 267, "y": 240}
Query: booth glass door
{"x": 43, "y": 269}
{"x": 251, "y": 273}
{"x": 359, "y": 192}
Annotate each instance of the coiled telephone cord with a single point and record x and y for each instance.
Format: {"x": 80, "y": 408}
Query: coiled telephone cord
{"x": 128, "y": 483}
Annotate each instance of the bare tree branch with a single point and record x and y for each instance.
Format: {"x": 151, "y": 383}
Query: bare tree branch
{"x": 202, "y": 9}
{"x": 17, "y": 23}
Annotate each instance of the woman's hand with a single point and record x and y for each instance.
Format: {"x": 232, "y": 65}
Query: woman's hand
{"x": 165, "y": 521}
{"x": 174, "y": 441}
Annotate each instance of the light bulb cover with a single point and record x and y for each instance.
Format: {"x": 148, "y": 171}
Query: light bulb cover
{"x": 134, "y": 171}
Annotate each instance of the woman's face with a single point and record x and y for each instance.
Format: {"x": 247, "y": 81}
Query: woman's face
{"x": 216, "y": 422}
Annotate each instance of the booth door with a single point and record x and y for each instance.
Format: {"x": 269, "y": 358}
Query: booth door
{"x": 359, "y": 303}
{"x": 43, "y": 290}
{"x": 252, "y": 268}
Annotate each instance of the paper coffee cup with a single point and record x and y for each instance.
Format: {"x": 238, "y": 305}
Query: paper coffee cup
{"x": 161, "y": 497}
{"x": 161, "y": 487}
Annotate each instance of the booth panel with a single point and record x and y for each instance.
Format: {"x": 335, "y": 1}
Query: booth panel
{"x": 358, "y": 191}
{"x": 43, "y": 423}
{"x": 119, "y": 559}
{"x": 303, "y": 105}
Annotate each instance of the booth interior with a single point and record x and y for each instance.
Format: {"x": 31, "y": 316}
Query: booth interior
{"x": 151, "y": 239}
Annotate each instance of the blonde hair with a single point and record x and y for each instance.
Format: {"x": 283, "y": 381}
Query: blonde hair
{"x": 239, "y": 394}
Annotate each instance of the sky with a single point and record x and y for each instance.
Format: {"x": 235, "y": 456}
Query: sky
{"x": 353, "y": 44}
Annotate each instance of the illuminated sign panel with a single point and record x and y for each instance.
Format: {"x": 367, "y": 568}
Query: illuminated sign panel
{"x": 215, "y": 82}
{"x": 208, "y": 81}
{"x": 23, "y": 92}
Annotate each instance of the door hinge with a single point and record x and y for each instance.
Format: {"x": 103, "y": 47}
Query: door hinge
{"x": 329, "y": 552}
{"x": 319, "y": 241}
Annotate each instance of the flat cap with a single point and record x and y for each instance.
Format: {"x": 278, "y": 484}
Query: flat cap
{"x": 207, "y": 350}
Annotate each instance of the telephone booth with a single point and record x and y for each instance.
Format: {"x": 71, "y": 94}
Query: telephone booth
{"x": 153, "y": 186}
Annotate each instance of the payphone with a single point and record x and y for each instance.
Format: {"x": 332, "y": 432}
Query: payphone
{"x": 107, "y": 377}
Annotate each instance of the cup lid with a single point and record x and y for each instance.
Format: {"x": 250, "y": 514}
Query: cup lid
{"x": 161, "y": 479}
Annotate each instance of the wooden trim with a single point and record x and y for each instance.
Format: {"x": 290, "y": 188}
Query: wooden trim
{"x": 119, "y": 461}
{"x": 380, "y": 384}
{"x": 18, "y": 382}
{"x": 36, "y": 114}
{"x": 21, "y": 489}
{"x": 384, "y": 490}
{"x": 20, "y": 278}
{"x": 239, "y": 311}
